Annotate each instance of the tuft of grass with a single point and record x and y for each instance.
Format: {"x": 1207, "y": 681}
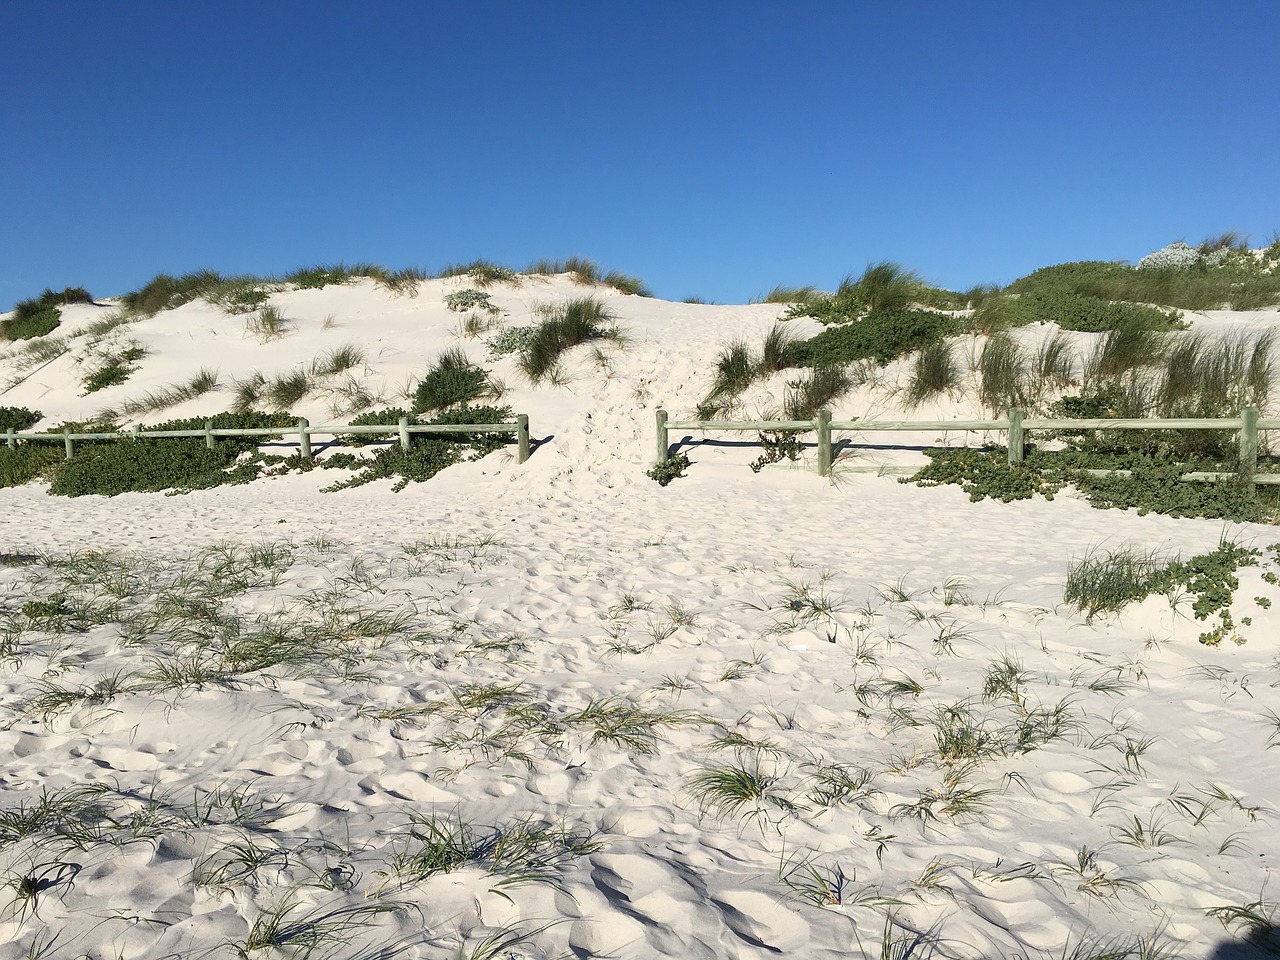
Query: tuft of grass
{"x": 403, "y": 282}
{"x": 883, "y": 286}
{"x": 267, "y": 324}
{"x": 738, "y": 789}
{"x": 935, "y": 372}
{"x": 1002, "y": 374}
{"x": 338, "y": 360}
{"x": 483, "y": 273}
{"x": 565, "y": 326}
{"x": 788, "y": 295}
{"x": 165, "y": 292}
{"x": 249, "y": 392}
{"x": 236, "y": 295}
{"x": 203, "y": 382}
{"x": 815, "y": 391}
{"x": 288, "y": 389}
{"x": 1106, "y": 583}
{"x": 1121, "y": 351}
{"x": 114, "y": 367}
{"x": 40, "y": 316}
{"x": 320, "y": 276}
{"x": 778, "y": 352}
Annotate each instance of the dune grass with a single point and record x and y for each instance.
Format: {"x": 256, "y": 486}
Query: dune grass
{"x": 166, "y": 292}
{"x": 565, "y": 325}
{"x": 935, "y": 371}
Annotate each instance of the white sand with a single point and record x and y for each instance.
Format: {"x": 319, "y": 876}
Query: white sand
{"x": 767, "y": 597}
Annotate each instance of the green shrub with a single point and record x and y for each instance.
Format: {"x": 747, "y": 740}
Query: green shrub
{"x": 789, "y": 295}
{"x": 149, "y": 464}
{"x": 165, "y": 292}
{"x": 30, "y": 325}
{"x": 388, "y": 417}
{"x": 669, "y": 469}
{"x": 40, "y": 316}
{"x": 236, "y": 295}
{"x": 881, "y": 336}
{"x": 114, "y": 368}
{"x": 27, "y": 461}
{"x": 469, "y": 300}
{"x": 429, "y": 454}
{"x": 511, "y": 340}
{"x": 566, "y": 325}
{"x": 18, "y": 419}
{"x": 453, "y": 380}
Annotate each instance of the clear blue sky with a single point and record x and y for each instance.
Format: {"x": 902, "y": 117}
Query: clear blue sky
{"x": 713, "y": 149}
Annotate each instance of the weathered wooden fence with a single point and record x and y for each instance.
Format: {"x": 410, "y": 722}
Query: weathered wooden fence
{"x": 304, "y": 431}
{"x": 1017, "y": 424}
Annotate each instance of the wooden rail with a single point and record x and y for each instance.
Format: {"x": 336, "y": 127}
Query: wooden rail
{"x": 303, "y": 429}
{"x": 1016, "y": 424}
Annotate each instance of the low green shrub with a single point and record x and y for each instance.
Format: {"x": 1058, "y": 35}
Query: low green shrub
{"x": 777, "y": 446}
{"x": 429, "y": 454}
{"x": 18, "y": 419}
{"x": 111, "y": 467}
{"x": 453, "y": 379}
{"x": 40, "y": 316}
{"x": 461, "y": 300}
{"x": 114, "y": 368}
{"x": 511, "y": 340}
{"x": 669, "y": 469}
{"x": 27, "y": 461}
{"x": 882, "y": 336}
{"x": 387, "y": 417}
{"x": 318, "y": 277}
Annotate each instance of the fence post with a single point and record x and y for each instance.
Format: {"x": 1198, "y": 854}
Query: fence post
{"x": 522, "y": 438}
{"x": 1248, "y": 442}
{"x": 12, "y": 443}
{"x": 134, "y": 431}
{"x": 406, "y": 441}
{"x": 1016, "y": 447}
{"x": 208, "y": 435}
{"x": 304, "y": 439}
{"x": 824, "y": 443}
{"x": 67, "y": 439}
{"x": 661, "y": 418}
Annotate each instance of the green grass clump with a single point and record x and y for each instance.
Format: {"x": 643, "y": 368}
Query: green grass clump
{"x": 165, "y": 292}
{"x": 788, "y": 295}
{"x": 566, "y": 325}
{"x": 814, "y": 391}
{"x": 40, "y": 316}
{"x": 737, "y": 367}
{"x": 882, "y": 336}
{"x": 18, "y": 419}
{"x": 288, "y": 389}
{"x": 1106, "y": 583}
{"x": 237, "y": 295}
{"x": 1002, "y": 377}
{"x": 111, "y": 467}
{"x": 588, "y": 273}
{"x": 483, "y": 273}
{"x": 935, "y": 372}
{"x": 204, "y": 381}
{"x": 429, "y": 454}
{"x": 453, "y": 379}
{"x": 883, "y": 287}
{"x": 267, "y": 324}
{"x": 318, "y": 277}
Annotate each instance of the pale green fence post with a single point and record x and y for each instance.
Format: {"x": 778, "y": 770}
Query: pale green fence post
{"x": 304, "y": 439}
{"x": 824, "y": 443}
{"x": 522, "y": 438}
{"x": 134, "y": 431}
{"x": 12, "y": 442}
{"x": 406, "y": 442}
{"x": 1248, "y": 442}
{"x": 67, "y": 439}
{"x": 1016, "y": 447}
{"x": 663, "y": 446}
{"x": 208, "y": 435}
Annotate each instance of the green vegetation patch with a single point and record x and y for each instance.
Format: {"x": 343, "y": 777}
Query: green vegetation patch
{"x": 149, "y": 464}
{"x": 882, "y": 336}
{"x": 429, "y": 454}
{"x": 18, "y": 419}
{"x": 39, "y": 316}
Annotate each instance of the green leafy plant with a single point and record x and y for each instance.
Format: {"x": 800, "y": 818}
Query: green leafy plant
{"x": 461, "y": 300}
{"x": 669, "y": 469}
{"x": 18, "y": 419}
{"x": 40, "y": 316}
{"x": 453, "y": 380}
{"x": 114, "y": 367}
{"x": 882, "y": 335}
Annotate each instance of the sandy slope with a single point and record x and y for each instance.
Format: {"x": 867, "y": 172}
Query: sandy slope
{"x": 808, "y": 624}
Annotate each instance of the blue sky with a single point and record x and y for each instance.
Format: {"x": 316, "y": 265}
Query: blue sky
{"x": 713, "y": 149}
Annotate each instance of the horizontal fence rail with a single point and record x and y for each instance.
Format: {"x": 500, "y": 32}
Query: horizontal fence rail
{"x": 304, "y": 431}
{"x": 1016, "y": 425}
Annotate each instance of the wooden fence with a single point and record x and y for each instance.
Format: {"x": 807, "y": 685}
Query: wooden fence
{"x": 304, "y": 430}
{"x": 1017, "y": 424}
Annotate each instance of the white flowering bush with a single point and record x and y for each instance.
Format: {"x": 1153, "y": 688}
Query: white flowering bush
{"x": 1176, "y": 256}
